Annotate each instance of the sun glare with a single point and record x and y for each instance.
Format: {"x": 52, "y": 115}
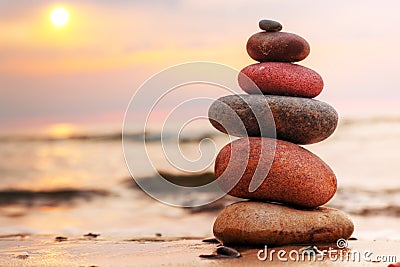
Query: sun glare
{"x": 59, "y": 17}
{"x": 62, "y": 130}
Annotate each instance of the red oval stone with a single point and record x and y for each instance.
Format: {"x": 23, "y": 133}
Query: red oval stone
{"x": 277, "y": 78}
{"x": 296, "y": 176}
{"x": 277, "y": 46}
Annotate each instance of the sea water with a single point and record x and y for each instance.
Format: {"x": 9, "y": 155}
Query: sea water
{"x": 75, "y": 185}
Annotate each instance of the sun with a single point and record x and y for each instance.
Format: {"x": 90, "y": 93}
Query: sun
{"x": 59, "y": 17}
{"x": 61, "y": 130}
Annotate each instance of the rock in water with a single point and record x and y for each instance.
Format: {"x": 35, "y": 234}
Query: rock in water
{"x": 297, "y": 120}
{"x": 296, "y": 176}
{"x": 270, "y": 25}
{"x": 277, "y": 46}
{"x": 258, "y": 224}
{"x": 277, "y": 78}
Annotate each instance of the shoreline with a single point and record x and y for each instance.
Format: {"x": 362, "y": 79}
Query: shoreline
{"x": 43, "y": 250}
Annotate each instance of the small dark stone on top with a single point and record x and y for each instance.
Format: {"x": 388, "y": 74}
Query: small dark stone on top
{"x": 270, "y": 25}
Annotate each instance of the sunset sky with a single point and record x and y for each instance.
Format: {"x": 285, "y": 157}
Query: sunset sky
{"x": 85, "y": 72}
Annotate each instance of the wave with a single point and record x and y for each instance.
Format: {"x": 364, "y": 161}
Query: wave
{"x": 154, "y": 136}
{"x": 188, "y": 180}
{"x": 117, "y": 136}
{"x": 371, "y": 120}
{"x": 354, "y": 201}
{"x": 367, "y": 202}
{"x": 48, "y": 198}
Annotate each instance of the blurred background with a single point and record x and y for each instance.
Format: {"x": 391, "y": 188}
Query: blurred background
{"x": 69, "y": 69}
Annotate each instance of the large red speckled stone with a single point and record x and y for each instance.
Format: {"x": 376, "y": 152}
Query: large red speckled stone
{"x": 277, "y": 46}
{"x": 276, "y": 78}
{"x": 259, "y": 224}
{"x": 296, "y": 176}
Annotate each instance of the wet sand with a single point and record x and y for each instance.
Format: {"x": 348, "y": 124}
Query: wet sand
{"x": 43, "y": 250}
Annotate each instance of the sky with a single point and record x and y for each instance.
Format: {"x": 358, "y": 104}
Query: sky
{"x": 85, "y": 73}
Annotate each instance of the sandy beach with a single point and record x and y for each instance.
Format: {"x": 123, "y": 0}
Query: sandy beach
{"x": 151, "y": 251}
{"x": 161, "y": 249}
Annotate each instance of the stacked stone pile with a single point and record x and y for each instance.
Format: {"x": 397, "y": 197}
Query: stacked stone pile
{"x": 286, "y": 206}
